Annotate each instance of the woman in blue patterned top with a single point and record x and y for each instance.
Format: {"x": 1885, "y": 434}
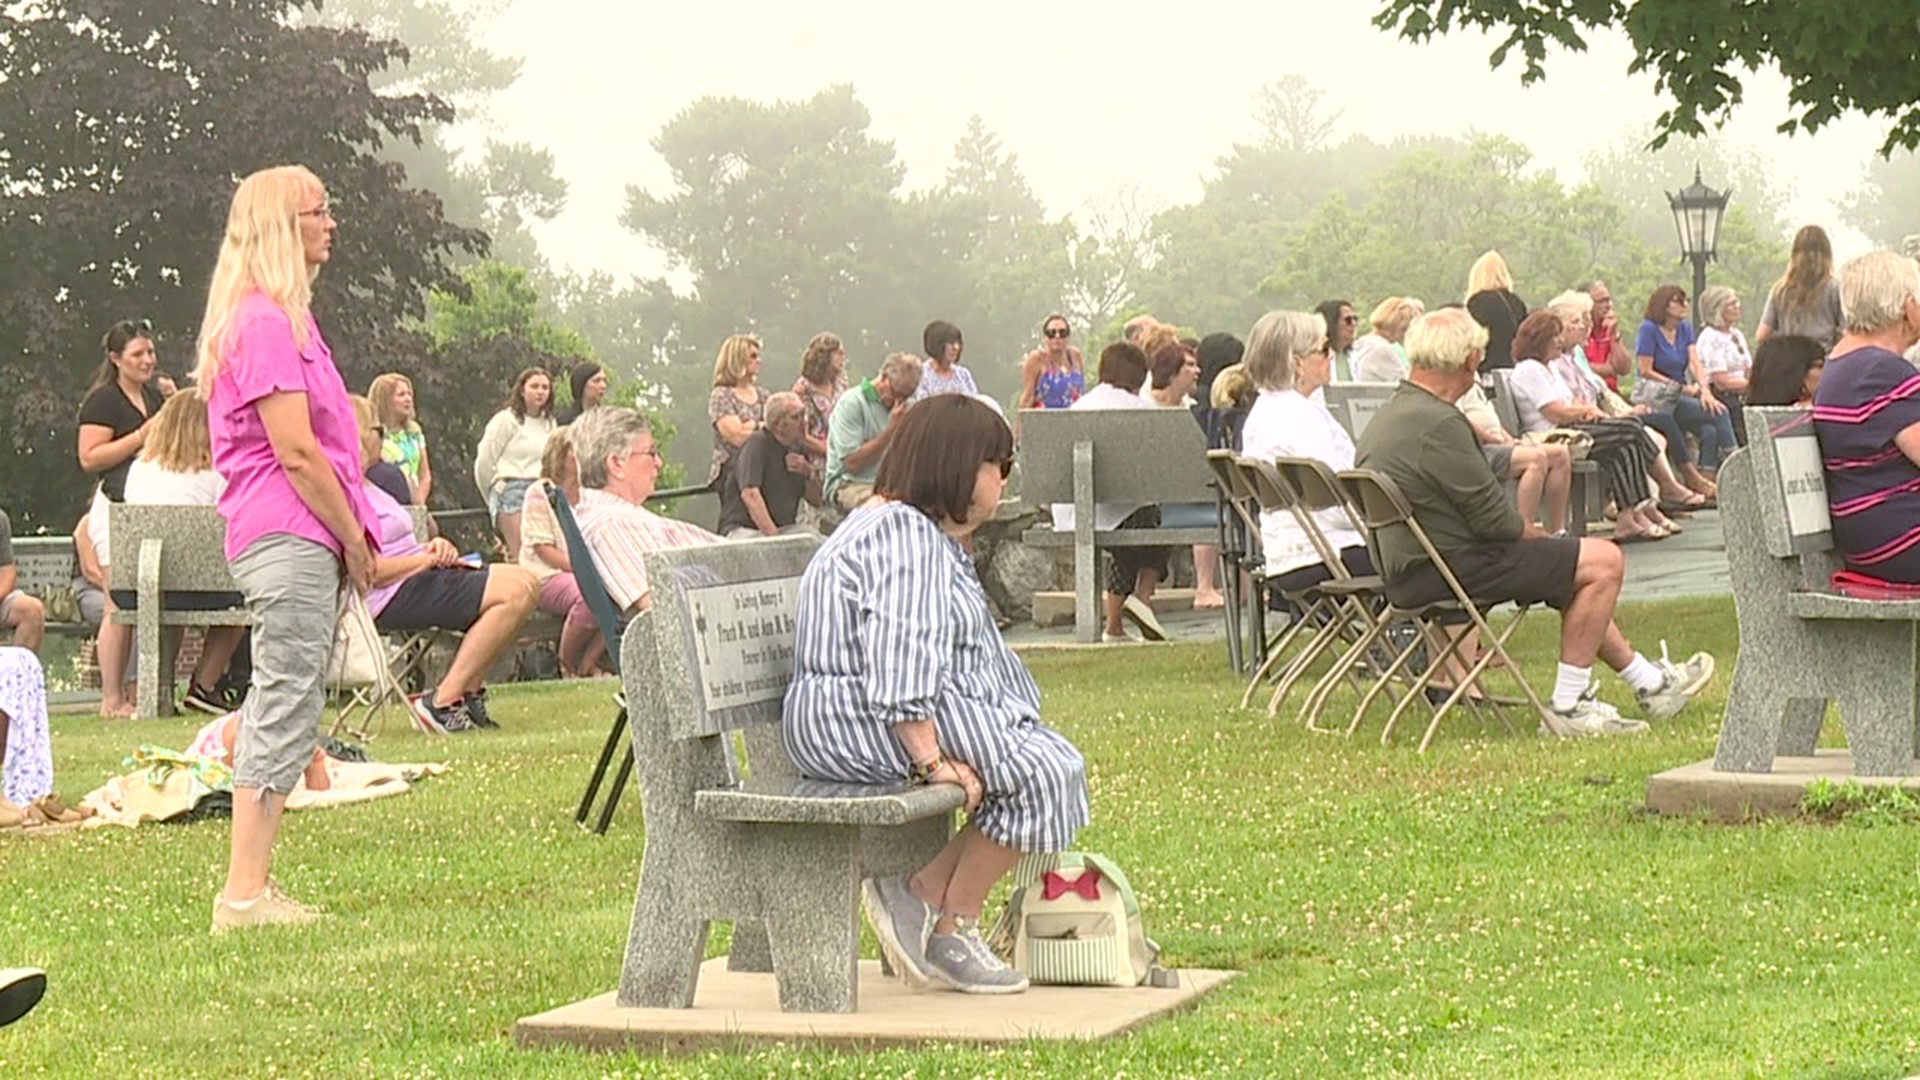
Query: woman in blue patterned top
{"x": 899, "y": 674}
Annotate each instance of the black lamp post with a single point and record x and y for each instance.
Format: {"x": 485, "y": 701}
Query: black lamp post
{"x": 1696, "y": 217}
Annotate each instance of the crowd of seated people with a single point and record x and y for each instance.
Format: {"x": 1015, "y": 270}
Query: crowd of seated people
{"x": 776, "y": 454}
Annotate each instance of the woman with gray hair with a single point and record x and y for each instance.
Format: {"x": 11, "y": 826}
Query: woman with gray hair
{"x": 1288, "y": 360}
{"x": 1867, "y": 415}
{"x": 1724, "y": 357}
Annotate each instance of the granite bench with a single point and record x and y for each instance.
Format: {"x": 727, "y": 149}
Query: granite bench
{"x": 779, "y": 855}
{"x": 47, "y": 568}
{"x": 1079, "y": 457}
{"x": 1801, "y": 644}
{"x": 179, "y": 549}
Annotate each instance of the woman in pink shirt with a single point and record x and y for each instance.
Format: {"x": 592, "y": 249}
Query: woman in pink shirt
{"x": 298, "y": 524}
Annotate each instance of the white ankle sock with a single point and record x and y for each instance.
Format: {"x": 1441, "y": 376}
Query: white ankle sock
{"x": 243, "y": 905}
{"x": 1568, "y": 685}
{"x": 1641, "y": 674}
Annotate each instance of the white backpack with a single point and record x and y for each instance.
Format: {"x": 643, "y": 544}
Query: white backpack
{"x": 1072, "y": 920}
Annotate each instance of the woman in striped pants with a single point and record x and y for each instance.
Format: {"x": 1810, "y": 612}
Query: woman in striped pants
{"x": 900, "y": 674}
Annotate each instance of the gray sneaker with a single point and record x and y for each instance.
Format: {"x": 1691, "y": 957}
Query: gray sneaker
{"x": 963, "y": 961}
{"x": 1678, "y": 684}
{"x": 902, "y": 922}
{"x": 1588, "y": 718}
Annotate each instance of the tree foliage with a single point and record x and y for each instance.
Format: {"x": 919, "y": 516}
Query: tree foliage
{"x": 1837, "y": 58}
{"x": 1887, "y": 206}
{"x": 789, "y": 218}
{"x": 127, "y": 127}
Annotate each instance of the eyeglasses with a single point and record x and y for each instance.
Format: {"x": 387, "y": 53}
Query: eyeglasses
{"x": 1059, "y": 332}
{"x": 651, "y": 451}
{"x": 1350, "y": 320}
{"x": 322, "y": 211}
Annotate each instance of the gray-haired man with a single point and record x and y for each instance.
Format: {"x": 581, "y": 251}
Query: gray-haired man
{"x": 760, "y": 492}
{"x": 863, "y": 424}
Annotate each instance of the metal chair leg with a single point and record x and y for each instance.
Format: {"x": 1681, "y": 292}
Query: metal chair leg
{"x": 613, "y": 795}
{"x": 614, "y": 739}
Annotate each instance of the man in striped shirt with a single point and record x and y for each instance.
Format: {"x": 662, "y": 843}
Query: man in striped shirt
{"x": 619, "y": 464}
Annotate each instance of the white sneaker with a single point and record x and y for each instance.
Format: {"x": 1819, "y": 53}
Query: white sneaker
{"x": 1678, "y": 685}
{"x": 1143, "y": 617}
{"x": 1121, "y": 638}
{"x": 1588, "y": 719}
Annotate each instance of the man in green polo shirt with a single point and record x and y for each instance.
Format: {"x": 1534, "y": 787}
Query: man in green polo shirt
{"x": 862, "y": 425}
{"x": 1423, "y": 443}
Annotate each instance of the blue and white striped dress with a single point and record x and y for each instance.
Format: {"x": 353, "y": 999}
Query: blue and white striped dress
{"x": 891, "y": 627}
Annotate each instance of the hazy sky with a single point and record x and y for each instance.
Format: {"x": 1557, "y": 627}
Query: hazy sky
{"x": 1092, "y": 97}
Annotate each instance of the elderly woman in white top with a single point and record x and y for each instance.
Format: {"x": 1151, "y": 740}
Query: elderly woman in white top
{"x": 1724, "y": 356}
{"x": 1288, "y": 360}
{"x": 1379, "y": 356}
{"x": 1554, "y": 388}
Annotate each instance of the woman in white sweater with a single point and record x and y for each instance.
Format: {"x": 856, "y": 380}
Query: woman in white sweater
{"x": 507, "y": 462}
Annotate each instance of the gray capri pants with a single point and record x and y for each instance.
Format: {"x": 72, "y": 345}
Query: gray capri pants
{"x": 292, "y": 586}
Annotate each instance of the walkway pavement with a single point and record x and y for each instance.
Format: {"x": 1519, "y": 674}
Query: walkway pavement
{"x": 1691, "y": 564}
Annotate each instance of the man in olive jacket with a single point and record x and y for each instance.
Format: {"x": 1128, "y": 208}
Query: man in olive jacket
{"x": 1421, "y": 442}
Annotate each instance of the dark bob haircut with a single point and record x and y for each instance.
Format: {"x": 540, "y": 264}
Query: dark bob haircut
{"x": 1217, "y": 352}
{"x": 937, "y": 336}
{"x": 935, "y": 458}
{"x": 1124, "y": 364}
{"x": 1780, "y": 366}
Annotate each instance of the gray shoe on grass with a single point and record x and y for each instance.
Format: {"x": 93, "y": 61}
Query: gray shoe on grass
{"x": 1678, "y": 684}
{"x": 903, "y": 922}
{"x": 964, "y": 962}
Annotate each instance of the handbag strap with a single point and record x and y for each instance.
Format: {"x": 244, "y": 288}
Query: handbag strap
{"x": 354, "y": 612}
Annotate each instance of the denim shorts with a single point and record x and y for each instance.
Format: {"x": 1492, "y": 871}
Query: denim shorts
{"x": 508, "y": 497}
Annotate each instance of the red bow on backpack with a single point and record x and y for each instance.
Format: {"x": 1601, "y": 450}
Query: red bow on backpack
{"x": 1053, "y": 886}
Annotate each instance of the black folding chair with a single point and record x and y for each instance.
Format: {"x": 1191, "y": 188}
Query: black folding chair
{"x": 594, "y": 591}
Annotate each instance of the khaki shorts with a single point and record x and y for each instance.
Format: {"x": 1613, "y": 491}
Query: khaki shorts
{"x": 292, "y": 588}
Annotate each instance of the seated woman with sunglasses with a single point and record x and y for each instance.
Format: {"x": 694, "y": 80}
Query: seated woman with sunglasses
{"x": 427, "y": 587}
{"x": 899, "y": 674}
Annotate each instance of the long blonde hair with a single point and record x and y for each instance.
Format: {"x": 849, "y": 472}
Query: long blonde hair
{"x": 1488, "y": 274}
{"x": 180, "y": 440}
{"x": 261, "y": 250}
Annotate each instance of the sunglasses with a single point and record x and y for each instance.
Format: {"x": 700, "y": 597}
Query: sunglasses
{"x": 135, "y": 327}
{"x": 1059, "y": 332}
{"x": 1006, "y": 467}
{"x": 1350, "y": 320}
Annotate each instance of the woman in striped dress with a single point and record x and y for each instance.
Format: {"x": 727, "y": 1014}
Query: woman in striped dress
{"x": 899, "y": 674}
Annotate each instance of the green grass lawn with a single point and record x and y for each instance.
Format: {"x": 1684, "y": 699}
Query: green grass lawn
{"x": 1499, "y": 907}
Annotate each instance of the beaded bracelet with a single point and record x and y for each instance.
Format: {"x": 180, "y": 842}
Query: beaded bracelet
{"x": 921, "y": 772}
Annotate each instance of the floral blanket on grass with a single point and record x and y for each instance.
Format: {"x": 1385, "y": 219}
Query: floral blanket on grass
{"x": 167, "y": 784}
